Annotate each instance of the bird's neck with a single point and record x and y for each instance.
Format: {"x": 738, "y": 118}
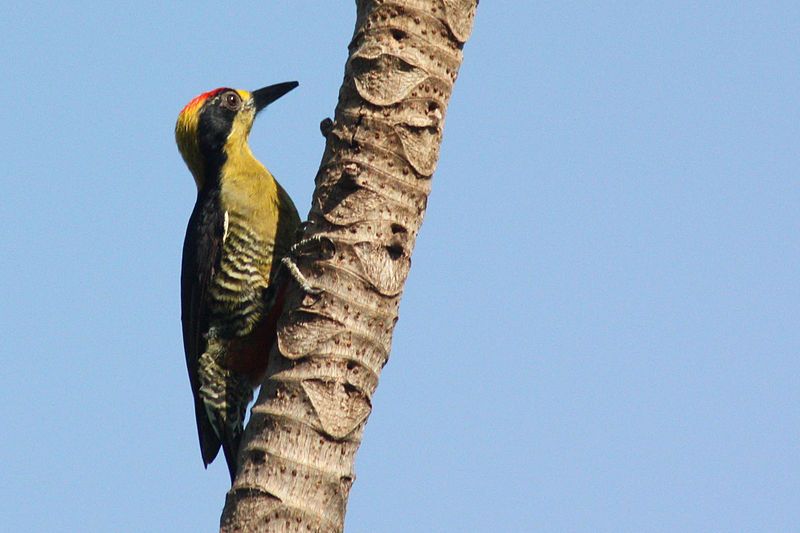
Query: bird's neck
{"x": 243, "y": 179}
{"x": 241, "y": 166}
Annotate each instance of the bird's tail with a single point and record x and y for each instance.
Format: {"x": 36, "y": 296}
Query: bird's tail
{"x": 230, "y": 447}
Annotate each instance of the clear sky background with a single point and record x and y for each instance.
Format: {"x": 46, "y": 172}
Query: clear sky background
{"x": 600, "y": 329}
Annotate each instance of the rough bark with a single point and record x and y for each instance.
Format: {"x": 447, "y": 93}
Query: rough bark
{"x": 296, "y": 461}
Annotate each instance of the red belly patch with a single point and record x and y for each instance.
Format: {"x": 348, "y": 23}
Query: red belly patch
{"x": 249, "y": 355}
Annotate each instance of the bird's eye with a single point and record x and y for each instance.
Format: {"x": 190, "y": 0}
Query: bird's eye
{"x": 232, "y": 101}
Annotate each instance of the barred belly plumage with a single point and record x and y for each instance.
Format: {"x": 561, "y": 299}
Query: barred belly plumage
{"x": 237, "y": 306}
{"x": 237, "y": 288}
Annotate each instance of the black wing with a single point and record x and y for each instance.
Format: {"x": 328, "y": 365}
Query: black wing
{"x": 202, "y": 250}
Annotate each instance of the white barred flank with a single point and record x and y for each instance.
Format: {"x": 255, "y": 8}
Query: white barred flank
{"x": 225, "y": 395}
{"x": 238, "y": 287}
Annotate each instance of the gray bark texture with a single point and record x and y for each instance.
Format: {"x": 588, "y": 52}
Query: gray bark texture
{"x": 296, "y": 463}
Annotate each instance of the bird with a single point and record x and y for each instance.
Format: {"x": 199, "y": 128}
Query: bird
{"x": 242, "y": 225}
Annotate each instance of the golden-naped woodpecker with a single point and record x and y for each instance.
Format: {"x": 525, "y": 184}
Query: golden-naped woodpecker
{"x": 242, "y": 225}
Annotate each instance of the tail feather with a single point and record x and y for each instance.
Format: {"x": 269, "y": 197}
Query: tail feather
{"x": 230, "y": 447}
{"x": 209, "y": 441}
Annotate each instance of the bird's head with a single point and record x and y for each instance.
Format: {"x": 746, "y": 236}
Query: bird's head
{"x": 215, "y": 124}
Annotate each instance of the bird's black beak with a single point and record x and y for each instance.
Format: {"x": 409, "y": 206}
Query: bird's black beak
{"x": 263, "y": 97}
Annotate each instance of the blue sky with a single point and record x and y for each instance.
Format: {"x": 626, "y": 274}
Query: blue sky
{"x": 599, "y": 332}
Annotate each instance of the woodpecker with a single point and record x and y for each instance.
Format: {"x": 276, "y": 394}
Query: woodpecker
{"x": 242, "y": 225}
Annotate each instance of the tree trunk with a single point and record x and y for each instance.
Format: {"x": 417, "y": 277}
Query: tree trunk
{"x": 296, "y": 460}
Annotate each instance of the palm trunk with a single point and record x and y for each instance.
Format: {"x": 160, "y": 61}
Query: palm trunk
{"x": 296, "y": 461}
